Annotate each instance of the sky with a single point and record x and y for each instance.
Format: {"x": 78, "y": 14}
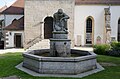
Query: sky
{"x": 7, "y": 2}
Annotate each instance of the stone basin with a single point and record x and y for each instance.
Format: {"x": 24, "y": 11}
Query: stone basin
{"x": 85, "y": 61}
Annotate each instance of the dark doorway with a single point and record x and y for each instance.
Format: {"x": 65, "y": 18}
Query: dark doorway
{"x": 119, "y": 30}
{"x": 48, "y": 27}
{"x": 1, "y": 44}
{"x": 18, "y": 41}
{"x": 89, "y": 31}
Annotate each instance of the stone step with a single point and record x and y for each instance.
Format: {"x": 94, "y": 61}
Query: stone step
{"x": 41, "y": 44}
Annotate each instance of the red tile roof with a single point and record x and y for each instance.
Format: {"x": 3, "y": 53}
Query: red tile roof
{"x": 15, "y": 8}
{"x": 112, "y": 2}
{"x": 16, "y": 24}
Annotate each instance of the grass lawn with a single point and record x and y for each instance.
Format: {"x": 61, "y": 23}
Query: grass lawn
{"x": 10, "y": 60}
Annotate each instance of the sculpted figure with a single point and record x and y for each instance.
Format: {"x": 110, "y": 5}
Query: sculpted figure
{"x": 60, "y": 21}
{"x": 107, "y": 17}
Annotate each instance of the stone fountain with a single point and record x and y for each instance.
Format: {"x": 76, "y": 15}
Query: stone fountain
{"x": 60, "y": 44}
{"x": 60, "y": 58}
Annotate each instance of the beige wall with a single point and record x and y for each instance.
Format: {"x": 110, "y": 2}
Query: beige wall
{"x": 37, "y": 10}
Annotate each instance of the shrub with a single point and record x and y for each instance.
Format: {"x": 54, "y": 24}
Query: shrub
{"x": 115, "y": 49}
{"x": 115, "y": 45}
{"x": 113, "y": 52}
{"x": 101, "y": 49}
{"x": 105, "y": 49}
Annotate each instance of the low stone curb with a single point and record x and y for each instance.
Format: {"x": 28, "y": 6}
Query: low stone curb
{"x": 108, "y": 64}
{"x": 11, "y": 77}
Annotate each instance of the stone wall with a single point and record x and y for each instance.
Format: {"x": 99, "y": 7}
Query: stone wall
{"x": 37, "y": 10}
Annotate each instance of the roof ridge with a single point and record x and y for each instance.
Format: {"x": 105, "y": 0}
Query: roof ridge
{"x": 114, "y": 2}
{"x": 16, "y": 8}
{"x": 3, "y": 8}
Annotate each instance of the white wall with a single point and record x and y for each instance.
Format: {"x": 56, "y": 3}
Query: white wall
{"x": 11, "y": 38}
{"x": 10, "y": 18}
{"x": 97, "y": 12}
{"x": 115, "y": 15}
{"x": 1, "y": 17}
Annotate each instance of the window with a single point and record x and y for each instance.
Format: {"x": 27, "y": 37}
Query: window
{"x": 89, "y": 25}
{"x": 89, "y": 31}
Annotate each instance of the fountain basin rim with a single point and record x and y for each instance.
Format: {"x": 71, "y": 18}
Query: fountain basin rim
{"x": 59, "y": 65}
{"x": 28, "y": 54}
{"x": 51, "y": 39}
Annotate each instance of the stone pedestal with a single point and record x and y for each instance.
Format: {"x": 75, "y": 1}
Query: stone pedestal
{"x": 60, "y": 35}
{"x": 60, "y": 45}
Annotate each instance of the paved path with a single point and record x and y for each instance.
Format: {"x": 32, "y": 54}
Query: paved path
{"x": 11, "y": 77}
{"x": 84, "y": 48}
{"x": 12, "y": 50}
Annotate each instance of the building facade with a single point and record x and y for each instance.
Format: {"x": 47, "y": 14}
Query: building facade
{"x": 13, "y": 25}
{"x": 38, "y": 19}
{"x": 91, "y": 22}
{"x": 92, "y": 17}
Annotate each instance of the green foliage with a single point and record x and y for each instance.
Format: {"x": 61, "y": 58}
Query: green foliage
{"x": 101, "y": 49}
{"x": 113, "y": 52}
{"x": 115, "y": 49}
{"x": 105, "y": 49}
{"x": 115, "y": 45}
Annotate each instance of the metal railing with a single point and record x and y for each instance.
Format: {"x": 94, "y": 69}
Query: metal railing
{"x": 33, "y": 41}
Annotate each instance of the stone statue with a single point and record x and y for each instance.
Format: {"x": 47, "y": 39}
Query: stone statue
{"x": 60, "y": 21}
{"x": 107, "y": 25}
{"x": 60, "y": 44}
{"x": 107, "y": 17}
{"x": 107, "y": 11}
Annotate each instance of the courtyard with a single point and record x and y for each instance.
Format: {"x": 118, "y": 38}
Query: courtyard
{"x": 9, "y": 60}
{"x": 60, "y": 39}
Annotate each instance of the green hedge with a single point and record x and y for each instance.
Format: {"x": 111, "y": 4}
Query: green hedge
{"x": 101, "y": 49}
{"x": 115, "y": 45}
{"x": 115, "y": 49}
{"x": 112, "y": 49}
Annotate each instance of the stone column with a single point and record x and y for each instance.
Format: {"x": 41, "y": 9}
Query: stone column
{"x": 107, "y": 25}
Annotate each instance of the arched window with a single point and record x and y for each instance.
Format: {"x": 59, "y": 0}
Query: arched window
{"x": 48, "y": 27}
{"x": 89, "y": 26}
{"x": 119, "y": 30}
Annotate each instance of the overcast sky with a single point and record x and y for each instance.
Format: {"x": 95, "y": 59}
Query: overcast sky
{"x": 7, "y": 2}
